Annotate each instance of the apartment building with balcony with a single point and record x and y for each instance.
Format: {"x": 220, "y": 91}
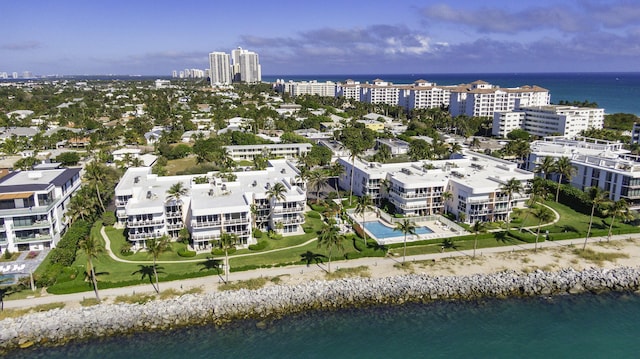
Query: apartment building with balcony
{"x": 33, "y": 206}
{"x": 548, "y": 120}
{"x": 482, "y": 99}
{"x": 280, "y": 150}
{"x": 472, "y": 180}
{"x": 597, "y": 163}
{"x": 215, "y": 203}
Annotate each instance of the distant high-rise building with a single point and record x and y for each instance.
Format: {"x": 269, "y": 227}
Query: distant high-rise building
{"x": 4, "y": 75}
{"x": 246, "y": 66}
{"x": 220, "y": 65}
{"x": 14, "y": 75}
{"x": 174, "y": 74}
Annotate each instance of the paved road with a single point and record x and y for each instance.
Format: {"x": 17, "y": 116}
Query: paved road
{"x": 210, "y": 283}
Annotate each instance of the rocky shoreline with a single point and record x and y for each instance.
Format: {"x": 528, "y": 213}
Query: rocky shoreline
{"x": 59, "y": 326}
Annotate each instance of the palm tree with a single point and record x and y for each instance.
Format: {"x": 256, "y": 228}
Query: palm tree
{"x": 91, "y": 248}
{"x": 477, "y": 227}
{"x": 155, "y": 246}
{"x": 277, "y": 192}
{"x": 563, "y": 168}
{"x": 546, "y": 166}
{"x": 406, "y": 227}
{"x": 544, "y": 215}
{"x": 335, "y": 170}
{"x": 176, "y": 192}
{"x": 330, "y": 237}
{"x": 620, "y": 209}
{"x": 316, "y": 180}
{"x": 511, "y": 187}
{"x": 95, "y": 174}
{"x": 364, "y": 203}
{"x": 226, "y": 242}
{"x": 446, "y": 195}
{"x": 537, "y": 192}
{"x": 597, "y": 197}
{"x": 355, "y": 153}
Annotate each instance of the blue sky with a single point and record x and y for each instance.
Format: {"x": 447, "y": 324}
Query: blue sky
{"x": 321, "y": 37}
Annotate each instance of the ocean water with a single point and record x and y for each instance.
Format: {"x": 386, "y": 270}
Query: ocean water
{"x": 615, "y": 92}
{"x": 576, "y": 326}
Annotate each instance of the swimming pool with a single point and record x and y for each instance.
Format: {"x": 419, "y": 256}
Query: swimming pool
{"x": 379, "y": 230}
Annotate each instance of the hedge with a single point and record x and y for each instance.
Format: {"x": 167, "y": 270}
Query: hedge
{"x": 183, "y": 252}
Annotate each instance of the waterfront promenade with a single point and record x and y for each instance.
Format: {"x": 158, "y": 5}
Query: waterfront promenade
{"x": 550, "y": 256}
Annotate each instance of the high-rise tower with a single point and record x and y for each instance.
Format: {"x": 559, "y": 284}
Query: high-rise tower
{"x": 246, "y": 66}
{"x": 220, "y": 65}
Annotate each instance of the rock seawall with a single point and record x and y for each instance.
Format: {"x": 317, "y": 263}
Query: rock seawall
{"x": 58, "y": 326}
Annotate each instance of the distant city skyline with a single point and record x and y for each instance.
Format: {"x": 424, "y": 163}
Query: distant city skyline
{"x": 75, "y": 37}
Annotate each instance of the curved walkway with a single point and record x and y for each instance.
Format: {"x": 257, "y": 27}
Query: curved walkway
{"x": 118, "y": 259}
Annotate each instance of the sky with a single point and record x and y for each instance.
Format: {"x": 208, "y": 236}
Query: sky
{"x": 292, "y": 37}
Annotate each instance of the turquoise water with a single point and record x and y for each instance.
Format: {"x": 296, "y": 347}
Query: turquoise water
{"x": 580, "y": 326}
{"x": 615, "y": 92}
{"x": 379, "y": 230}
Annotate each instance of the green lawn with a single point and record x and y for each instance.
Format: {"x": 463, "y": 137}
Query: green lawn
{"x": 181, "y": 164}
{"x": 117, "y": 274}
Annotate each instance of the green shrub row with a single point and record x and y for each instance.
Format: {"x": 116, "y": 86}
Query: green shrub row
{"x": 259, "y": 246}
{"x": 183, "y": 252}
{"x": 65, "y": 251}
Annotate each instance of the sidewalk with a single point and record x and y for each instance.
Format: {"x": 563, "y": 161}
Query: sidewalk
{"x": 383, "y": 266}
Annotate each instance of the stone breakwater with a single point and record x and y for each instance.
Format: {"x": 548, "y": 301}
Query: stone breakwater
{"x": 59, "y": 326}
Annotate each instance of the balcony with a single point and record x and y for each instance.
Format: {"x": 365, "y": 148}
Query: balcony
{"x": 236, "y": 221}
{"x": 288, "y": 210}
{"x": 142, "y": 236}
{"x": 209, "y": 224}
{"x": 145, "y": 223}
{"x": 177, "y": 214}
{"x": 173, "y": 226}
{"x": 34, "y": 238}
{"x": 122, "y": 214}
{"x": 26, "y": 211}
{"x": 34, "y": 224}
{"x": 295, "y": 220}
{"x": 205, "y": 238}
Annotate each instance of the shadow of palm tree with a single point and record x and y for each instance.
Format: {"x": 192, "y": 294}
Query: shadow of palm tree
{"x": 504, "y": 238}
{"x": 212, "y": 263}
{"x": 309, "y": 257}
{"x": 5, "y": 291}
{"x": 569, "y": 228}
{"x": 378, "y": 247}
{"x": 448, "y": 243}
{"x": 87, "y": 274}
{"x": 147, "y": 271}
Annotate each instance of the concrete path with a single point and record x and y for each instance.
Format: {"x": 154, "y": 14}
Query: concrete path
{"x": 210, "y": 283}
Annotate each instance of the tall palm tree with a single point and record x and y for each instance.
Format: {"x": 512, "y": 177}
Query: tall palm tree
{"x": 446, "y": 196}
{"x": 598, "y": 197}
{"x": 155, "y": 247}
{"x": 544, "y": 215}
{"x": 335, "y": 170}
{"x": 477, "y": 227}
{"x": 91, "y": 248}
{"x": 617, "y": 209}
{"x": 95, "y": 174}
{"x": 511, "y": 187}
{"x": 226, "y": 242}
{"x": 364, "y": 203}
{"x": 316, "y": 180}
{"x": 406, "y": 227}
{"x": 176, "y": 192}
{"x": 546, "y": 166}
{"x": 537, "y": 192}
{"x": 354, "y": 153}
{"x": 330, "y": 237}
{"x": 277, "y": 192}
{"x": 564, "y": 169}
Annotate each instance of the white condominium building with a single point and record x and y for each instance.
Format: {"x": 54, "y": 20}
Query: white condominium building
{"x": 548, "y": 120}
{"x": 482, "y": 99}
{"x": 220, "y": 68}
{"x": 246, "y": 66}
{"x": 326, "y": 89}
{"x": 349, "y": 89}
{"x": 284, "y": 150}
{"x": 214, "y": 204}
{"x": 424, "y": 94}
{"x": 598, "y": 163}
{"x": 380, "y": 92}
{"x": 33, "y": 206}
{"x": 473, "y": 181}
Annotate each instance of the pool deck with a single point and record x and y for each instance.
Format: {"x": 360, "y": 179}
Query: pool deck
{"x": 440, "y": 230}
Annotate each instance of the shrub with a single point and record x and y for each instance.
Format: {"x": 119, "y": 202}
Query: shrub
{"x": 7, "y": 254}
{"x": 108, "y": 218}
{"x": 259, "y": 246}
{"x": 318, "y": 208}
{"x": 313, "y": 215}
{"x": 125, "y": 249}
{"x": 183, "y": 252}
{"x": 257, "y": 233}
{"x": 32, "y": 255}
{"x": 307, "y": 229}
